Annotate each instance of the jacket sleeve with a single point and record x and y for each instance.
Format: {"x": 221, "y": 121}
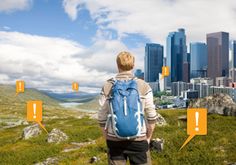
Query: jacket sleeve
{"x": 149, "y": 106}
{"x": 104, "y": 108}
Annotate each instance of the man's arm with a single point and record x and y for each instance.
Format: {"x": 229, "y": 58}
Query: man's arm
{"x": 150, "y": 114}
{"x": 103, "y": 112}
{"x": 150, "y": 129}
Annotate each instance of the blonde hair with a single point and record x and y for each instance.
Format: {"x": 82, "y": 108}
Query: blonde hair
{"x": 125, "y": 61}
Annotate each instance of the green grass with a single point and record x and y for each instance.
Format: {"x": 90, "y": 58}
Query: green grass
{"x": 92, "y": 104}
{"x": 217, "y": 147}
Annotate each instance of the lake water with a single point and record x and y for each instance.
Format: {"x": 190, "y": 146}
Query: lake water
{"x": 73, "y": 105}
{"x": 70, "y": 104}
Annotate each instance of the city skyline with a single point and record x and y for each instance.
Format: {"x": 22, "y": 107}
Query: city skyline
{"x": 69, "y": 38}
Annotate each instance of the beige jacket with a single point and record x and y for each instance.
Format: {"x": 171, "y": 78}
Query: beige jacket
{"x": 146, "y": 96}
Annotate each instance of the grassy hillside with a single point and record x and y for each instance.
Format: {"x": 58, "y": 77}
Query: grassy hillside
{"x": 14, "y": 106}
{"x": 218, "y": 147}
{"x": 92, "y": 104}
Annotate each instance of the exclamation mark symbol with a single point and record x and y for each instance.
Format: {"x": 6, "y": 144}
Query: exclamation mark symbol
{"x": 196, "y": 119}
{"x": 19, "y": 86}
{"x": 34, "y": 108}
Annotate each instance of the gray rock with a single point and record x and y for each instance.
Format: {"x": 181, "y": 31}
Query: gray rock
{"x": 31, "y": 131}
{"x": 160, "y": 120}
{"x": 56, "y": 136}
{"x": 48, "y": 161}
{"x": 94, "y": 159}
{"x": 157, "y": 144}
{"x": 182, "y": 117}
{"x": 221, "y": 104}
{"x": 25, "y": 123}
{"x": 12, "y": 124}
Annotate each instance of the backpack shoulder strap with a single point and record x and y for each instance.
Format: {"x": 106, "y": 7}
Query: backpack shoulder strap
{"x": 108, "y": 86}
{"x": 112, "y": 80}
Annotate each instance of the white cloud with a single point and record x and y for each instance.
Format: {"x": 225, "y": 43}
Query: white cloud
{"x": 50, "y": 63}
{"x": 71, "y": 7}
{"x": 102, "y": 55}
{"x": 14, "y": 5}
{"x": 156, "y": 18}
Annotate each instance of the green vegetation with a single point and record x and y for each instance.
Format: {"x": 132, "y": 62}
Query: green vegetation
{"x": 159, "y": 94}
{"x": 92, "y": 104}
{"x": 217, "y": 147}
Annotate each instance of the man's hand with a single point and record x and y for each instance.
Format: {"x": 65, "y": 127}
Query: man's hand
{"x": 104, "y": 132}
{"x": 148, "y": 140}
{"x": 150, "y": 130}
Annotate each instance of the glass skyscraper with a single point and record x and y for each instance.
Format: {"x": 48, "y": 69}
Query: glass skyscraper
{"x": 198, "y": 62}
{"x": 176, "y": 50}
{"x": 153, "y": 62}
{"x": 232, "y": 62}
{"x": 218, "y": 54}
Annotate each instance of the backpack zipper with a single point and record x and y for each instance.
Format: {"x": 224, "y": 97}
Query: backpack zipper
{"x": 125, "y": 106}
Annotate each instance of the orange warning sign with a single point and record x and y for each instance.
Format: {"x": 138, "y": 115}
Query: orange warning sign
{"x": 165, "y": 71}
{"x": 196, "y": 123}
{"x": 35, "y": 112}
{"x": 75, "y": 86}
{"x": 20, "y": 86}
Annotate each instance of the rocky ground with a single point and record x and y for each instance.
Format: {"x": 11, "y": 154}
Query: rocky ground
{"x": 219, "y": 104}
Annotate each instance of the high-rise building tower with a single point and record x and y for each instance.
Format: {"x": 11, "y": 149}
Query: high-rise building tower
{"x": 218, "y": 54}
{"x": 176, "y": 50}
{"x": 198, "y": 62}
{"x": 232, "y": 55}
{"x": 153, "y": 62}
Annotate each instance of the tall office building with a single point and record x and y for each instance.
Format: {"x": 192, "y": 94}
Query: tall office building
{"x": 153, "y": 62}
{"x": 198, "y": 62}
{"x": 186, "y": 71}
{"x": 232, "y": 55}
{"x": 176, "y": 50}
{"x": 218, "y": 54}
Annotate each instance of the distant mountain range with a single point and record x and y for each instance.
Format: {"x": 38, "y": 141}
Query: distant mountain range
{"x": 79, "y": 97}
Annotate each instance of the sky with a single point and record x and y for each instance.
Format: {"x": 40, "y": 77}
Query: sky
{"x": 51, "y": 43}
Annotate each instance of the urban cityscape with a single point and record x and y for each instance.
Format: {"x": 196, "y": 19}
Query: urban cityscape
{"x": 69, "y": 92}
{"x": 206, "y": 69}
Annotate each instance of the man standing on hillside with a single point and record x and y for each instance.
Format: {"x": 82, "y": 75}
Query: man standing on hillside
{"x": 127, "y": 115}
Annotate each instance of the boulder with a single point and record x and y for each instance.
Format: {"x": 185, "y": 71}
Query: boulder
{"x": 157, "y": 144}
{"x": 160, "y": 120}
{"x": 48, "y": 161}
{"x": 31, "y": 131}
{"x": 12, "y": 124}
{"x": 56, "y": 136}
{"x": 94, "y": 159}
{"x": 220, "y": 103}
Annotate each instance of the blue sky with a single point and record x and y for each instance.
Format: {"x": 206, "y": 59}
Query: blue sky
{"x": 47, "y": 18}
{"x": 51, "y": 43}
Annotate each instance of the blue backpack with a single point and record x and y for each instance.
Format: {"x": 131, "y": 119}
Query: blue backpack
{"x": 126, "y": 110}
